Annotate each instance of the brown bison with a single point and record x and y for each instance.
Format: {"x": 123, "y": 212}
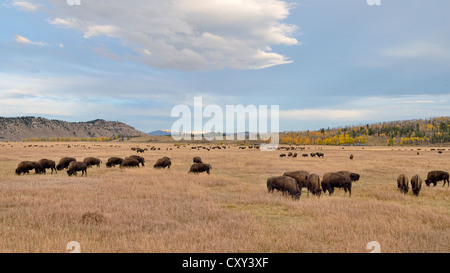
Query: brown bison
{"x": 163, "y": 163}
{"x": 299, "y": 176}
{"x": 27, "y": 166}
{"x": 130, "y": 162}
{"x": 319, "y": 154}
{"x": 402, "y": 183}
{"x": 113, "y": 161}
{"x": 435, "y": 176}
{"x": 75, "y": 167}
{"x": 48, "y": 164}
{"x": 352, "y": 176}
{"x": 305, "y": 155}
{"x": 197, "y": 159}
{"x": 351, "y": 156}
{"x": 91, "y": 161}
{"x": 282, "y": 155}
{"x": 416, "y": 184}
{"x": 336, "y": 180}
{"x": 285, "y": 184}
{"x": 313, "y": 184}
{"x": 199, "y": 168}
{"x": 64, "y": 163}
{"x": 139, "y": 158}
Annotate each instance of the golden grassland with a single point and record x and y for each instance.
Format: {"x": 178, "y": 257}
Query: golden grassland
{"x": 230, "y": 210}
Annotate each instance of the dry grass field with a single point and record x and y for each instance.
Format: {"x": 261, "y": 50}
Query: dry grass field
{"x": 230, "y": 210}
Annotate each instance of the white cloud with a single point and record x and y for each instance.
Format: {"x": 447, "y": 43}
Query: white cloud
{"x": 324, "y": 114}
{"x": 25, "y": 41}
{"x": 418, "y": 50}
{"x": 187, "y": 34}
{"x": 27, "y": 6}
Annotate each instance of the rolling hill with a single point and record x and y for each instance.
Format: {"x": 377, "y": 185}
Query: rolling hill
{"x": 21, "y": 128}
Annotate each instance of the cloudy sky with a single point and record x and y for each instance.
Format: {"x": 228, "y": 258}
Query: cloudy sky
{"x": 326, "y": 63}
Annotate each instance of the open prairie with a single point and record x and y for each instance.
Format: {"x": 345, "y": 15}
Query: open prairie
{"x": 168, "y": 210}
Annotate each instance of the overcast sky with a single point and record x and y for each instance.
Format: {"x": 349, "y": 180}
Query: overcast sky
{"x": 326, "y": 63}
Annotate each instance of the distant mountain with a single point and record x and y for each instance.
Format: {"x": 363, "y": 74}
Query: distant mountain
{"x": 20, "y": 128}
{"x": 160, "y": 133}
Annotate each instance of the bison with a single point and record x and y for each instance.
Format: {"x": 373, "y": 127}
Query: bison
{"x": 113, "y": 161}
{"x": 352, "y": 176}
{"x": 163, "y": 163}
{"x": 435, "y": 176}
{"x": 299, "y": 176}
{"x": 402, "y": 183}
{"x": 313, "y": 184}
{"x": 91, "y": 161}
{"x": 319, "y": 154}
{"x": 64, "y": 163}
{"x": 197, "y": 159}
{"x": 336, "y": 180}
{"x": 130, "y": 162}
{"x": 199, "y": 168}
{"x": 282, "y": 155}
{"x": 48, "y": 164}
{"x": 416, "y": 184}
{"x": 27, "y": 166}
{"x": 351, "y": 156}
{"x": 285, "y": 184}
{"x": 75, "y": 167}
{"x": 139, "y": 158}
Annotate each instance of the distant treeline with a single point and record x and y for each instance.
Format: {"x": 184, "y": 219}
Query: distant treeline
{"x": 409, "y": 132}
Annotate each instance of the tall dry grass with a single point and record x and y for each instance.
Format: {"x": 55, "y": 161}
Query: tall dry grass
{"x": 148, "y": 210}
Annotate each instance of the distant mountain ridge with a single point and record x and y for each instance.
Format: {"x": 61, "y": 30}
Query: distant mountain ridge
{"x": 160, "y": 133}
{"x": 20, "y": 128}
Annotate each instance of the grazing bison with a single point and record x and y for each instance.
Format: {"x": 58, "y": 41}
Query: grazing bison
{"x": 352, "y": 176}
{"x": 139, "y": 158}
{"x": 282, "y": 155}
{"x": 48, "y": 164}
{"x": 91, "y": 161}
{"x": 305, "y": 155}
{"x": 285, "y": 184}
{"x": 313, "y": 184}
{"x": 200, "y": 167}
{"x": 319, "y": 154}
{"x": 299, "y": 176}
{"x": 129, "y": 162}
{"x": 416, "y": 184}
{"x": 294, "y": 155}
{"x": 163, "y": 163}
{"x": 64, "y": 163}
{"x": 336, "y": 180}
{"x": 312, "y": 154}
{"x": 75, "y": 167}
{"x": 27, "y": 166}
{"x": 113, "y": 161}
{"x": 435, "y": 176}
{"x": 197, "y": 159}
{"x": 402, "y": 183}
{"x": 351, "y": 156}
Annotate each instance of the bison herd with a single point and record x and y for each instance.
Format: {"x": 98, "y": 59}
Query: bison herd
{"x": 73, "y": 166}
{"x": 416, "y": 181}
{"x": 293, "y": 182}
{"x": 290, "y": 183}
